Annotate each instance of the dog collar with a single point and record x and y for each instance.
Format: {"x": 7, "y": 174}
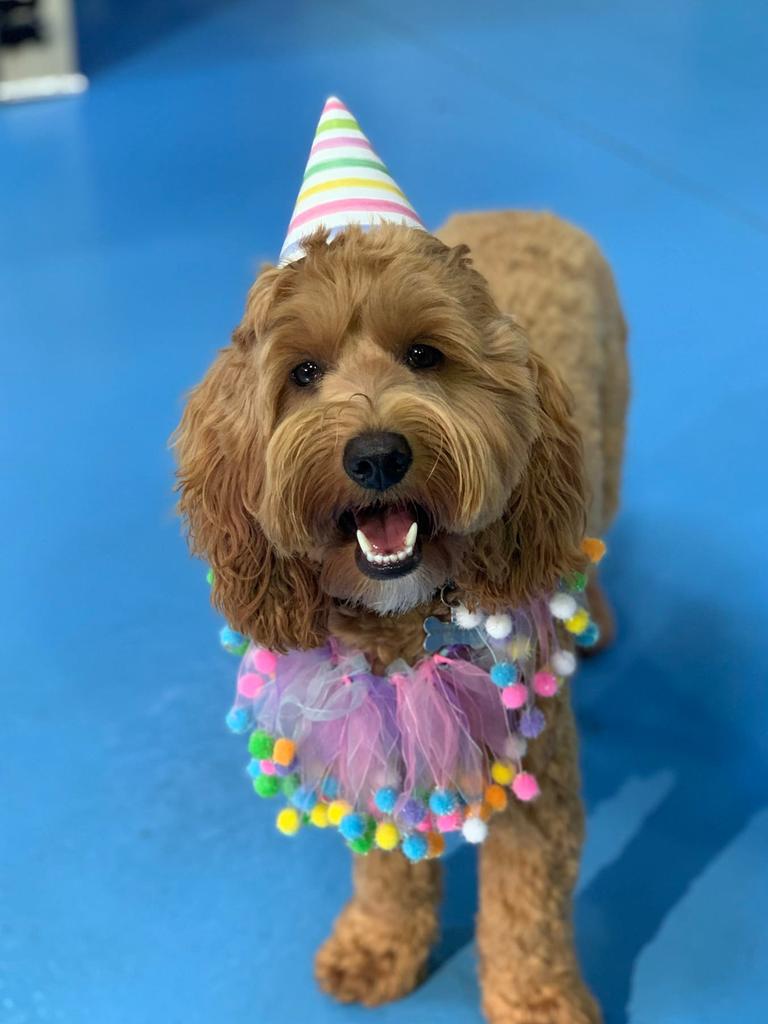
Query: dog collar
{"x": 396, "y": 761}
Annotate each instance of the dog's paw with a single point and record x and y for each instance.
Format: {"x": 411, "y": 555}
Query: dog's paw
{"x": 370, "y": 961}
{"x": 541, "y": 1005}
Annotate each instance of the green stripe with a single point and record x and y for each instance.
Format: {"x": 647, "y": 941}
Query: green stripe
{"x": 338, "y": 122}
{"x": 328, "y": 165}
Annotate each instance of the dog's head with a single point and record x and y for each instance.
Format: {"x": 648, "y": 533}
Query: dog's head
{"x": 376, "y": 429}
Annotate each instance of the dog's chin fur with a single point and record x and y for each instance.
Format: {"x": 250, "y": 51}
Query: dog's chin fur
{"x": 496, "y": 462}
{"x": 341, "y": 579}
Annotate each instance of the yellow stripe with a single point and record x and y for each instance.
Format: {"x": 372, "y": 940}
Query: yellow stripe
{"x": 349, "y": 183}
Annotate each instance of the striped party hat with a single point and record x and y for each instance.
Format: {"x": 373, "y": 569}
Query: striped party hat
{"x": 345, "y": 182}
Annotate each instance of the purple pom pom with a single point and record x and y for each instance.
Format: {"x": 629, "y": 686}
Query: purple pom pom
{"x": 413, "y": 812}
{"x": 532, "y": 723}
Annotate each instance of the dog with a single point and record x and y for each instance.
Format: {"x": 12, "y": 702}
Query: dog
{"x": 468, "y": 390}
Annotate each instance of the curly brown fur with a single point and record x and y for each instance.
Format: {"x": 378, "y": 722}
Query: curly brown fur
{"x": 499, "y": 449}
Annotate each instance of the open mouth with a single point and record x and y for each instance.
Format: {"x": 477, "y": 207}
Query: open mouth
{"x": 388, "y": 538}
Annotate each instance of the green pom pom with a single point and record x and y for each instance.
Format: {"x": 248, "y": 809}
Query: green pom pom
{"x": 261, "y": 745}
{"x": 267, "y": 785}
{"x": 289, "y": 785}
{"x": 209, "y": 577}
{"x": 576, "y": 581}
{"x": 365, "y": 842}
{"x": 362, "y": 845}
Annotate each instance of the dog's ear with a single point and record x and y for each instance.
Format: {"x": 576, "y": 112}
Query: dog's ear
{"x": 538, "y": 538}
{"x": 273, "y": 598}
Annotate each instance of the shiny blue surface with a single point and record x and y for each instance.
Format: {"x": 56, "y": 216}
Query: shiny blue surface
{"x": 140, "y": 881}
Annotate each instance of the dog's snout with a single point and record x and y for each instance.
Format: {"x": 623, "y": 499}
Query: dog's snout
{"x": 377, "y": 460}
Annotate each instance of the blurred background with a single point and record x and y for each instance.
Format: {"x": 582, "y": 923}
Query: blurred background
{"x": 140, "y": 880}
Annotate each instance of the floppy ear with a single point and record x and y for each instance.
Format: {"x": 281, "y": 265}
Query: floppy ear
{"x": 538, "y": 538}
{"x": 274, "y": 599}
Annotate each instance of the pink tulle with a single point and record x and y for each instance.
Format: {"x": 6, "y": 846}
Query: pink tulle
{"x": 437, "y": 725}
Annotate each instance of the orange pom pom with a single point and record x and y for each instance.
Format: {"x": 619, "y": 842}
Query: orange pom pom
{"x": 283, "y": 752}
{"x": 435, "y": 844}
{"x": 496, "y": 797}
{"x": 482, "y": 810}
{"x": 593, "y": 548}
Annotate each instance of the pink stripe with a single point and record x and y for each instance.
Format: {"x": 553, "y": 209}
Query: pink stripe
{"x": 334, "y": 105}
{"x": 333, "y": 143}
{"x": 353, "y": 205}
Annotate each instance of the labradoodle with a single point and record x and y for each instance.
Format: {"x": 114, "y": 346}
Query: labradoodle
{"x": 463, "y": 398}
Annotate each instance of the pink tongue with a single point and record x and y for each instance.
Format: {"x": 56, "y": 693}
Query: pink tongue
{"x": 386, "y": 530}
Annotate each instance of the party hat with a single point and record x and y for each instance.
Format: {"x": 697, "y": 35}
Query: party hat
{"x": 345, "y": 182}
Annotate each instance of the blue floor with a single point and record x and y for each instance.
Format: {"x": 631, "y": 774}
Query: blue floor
{"x": 140, "y": 882}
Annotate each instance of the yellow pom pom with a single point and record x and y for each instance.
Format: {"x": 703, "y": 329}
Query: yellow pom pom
{"x": 435, "y": 844}
{"x": 319, "y": 815}
{"x": 283, "y": 752}
{"x": 502, "y": 772}
{"x": 578, "y": 622}
{"x": 518, "y": 648}
{"x": 593, "y": 548}
{"x": 289, "y": 821}
{"x": 338, "y": 809}
{"x": 496, "y": 797}
{"x": 387, "y": 837}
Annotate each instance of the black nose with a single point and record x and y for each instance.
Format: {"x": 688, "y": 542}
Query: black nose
{"x": 377, "y": 460}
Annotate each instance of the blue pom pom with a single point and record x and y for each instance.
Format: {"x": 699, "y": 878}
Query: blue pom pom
{"x": 532, "y": 723}
{"x": 238, "y": 720}
{"x": 415, "y": 847}
{"x": 254, "y": 768}
{"x": 304, "y": 799}
{"x": 352, "y": 826}
{"x": 330, "y": 788}
{"x": 589, "y": 637}
{"x": 385, "y": 799}
{"x": 413, "y": 812}
{"x": 232, "y": 641}
{"x": 442, "y": 801}
{"x": 503, "y": 673}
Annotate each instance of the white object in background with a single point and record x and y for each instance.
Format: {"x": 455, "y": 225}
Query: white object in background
{"x": 38, "y": 53}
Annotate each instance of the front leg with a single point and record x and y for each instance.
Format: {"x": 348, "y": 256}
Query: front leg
{"x": 528, "y": 868}
{"x": 381, "y": 940}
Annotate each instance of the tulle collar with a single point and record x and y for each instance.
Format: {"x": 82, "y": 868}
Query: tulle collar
{"x": 399, "y": 759}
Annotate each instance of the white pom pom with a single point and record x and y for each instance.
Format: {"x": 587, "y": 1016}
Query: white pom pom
{"x": 515, "y": 747}
{"x": 563, "y": 606}
{"x": 466, "y": 619}
{"x": 498, "y": 626}
{"x": 563, "y": 663}
{"x": 474, "y": 830}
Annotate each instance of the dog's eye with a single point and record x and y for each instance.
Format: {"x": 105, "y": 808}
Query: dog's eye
{"x": 423, "y": 357}
{"x": 306, "y": 374}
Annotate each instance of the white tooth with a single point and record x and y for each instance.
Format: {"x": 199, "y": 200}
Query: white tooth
{"x": 410, "y": 537}
{"x": 391, "y": 559}
{"x": 364, "y": 543}
{"x": 378, "y": 559}
{"x": 370, "y": 557}
{"x": 402, "y": 555}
